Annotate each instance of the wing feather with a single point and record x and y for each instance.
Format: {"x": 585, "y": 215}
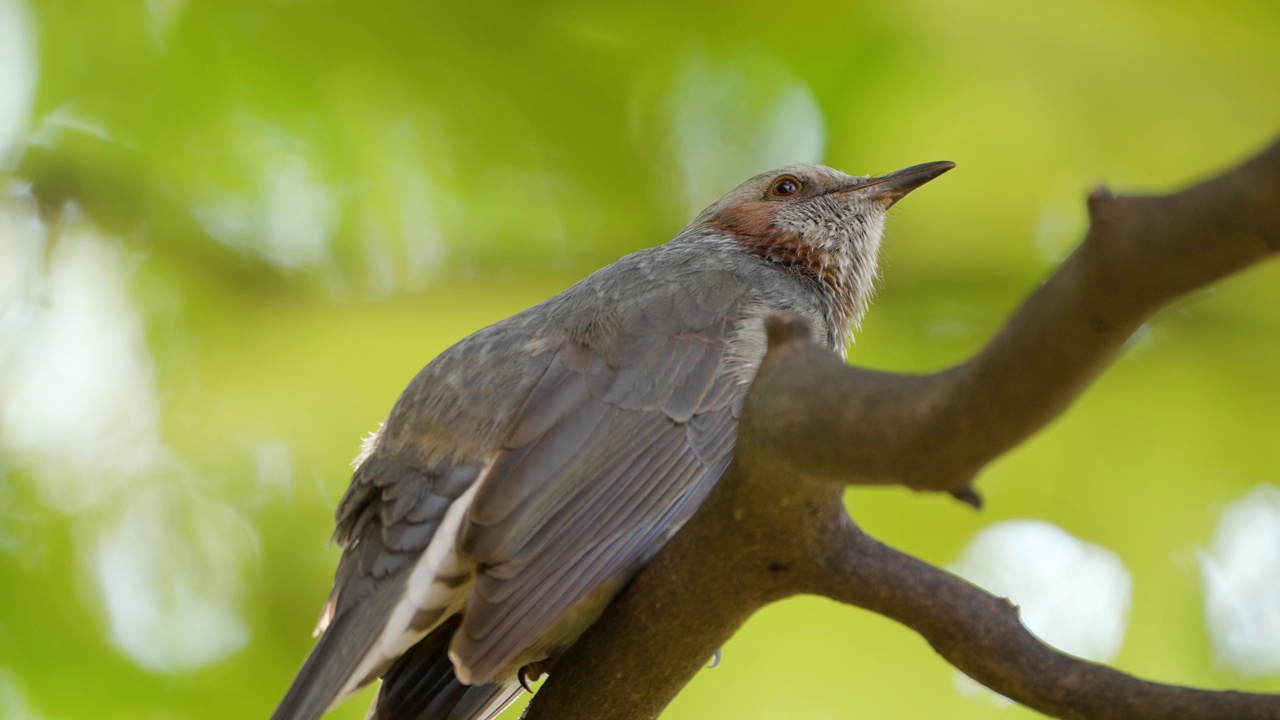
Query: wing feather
{"x": 607, "y": 461}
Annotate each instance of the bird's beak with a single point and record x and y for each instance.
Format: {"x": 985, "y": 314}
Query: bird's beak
{"x": 894, "y": 186}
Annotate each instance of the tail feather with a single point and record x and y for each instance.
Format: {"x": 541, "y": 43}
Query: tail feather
{"x": 337, "y": 655}
{"x": 421, "y": 685}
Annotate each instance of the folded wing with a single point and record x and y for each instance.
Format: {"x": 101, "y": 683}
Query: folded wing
{"x": 615, "y": 449}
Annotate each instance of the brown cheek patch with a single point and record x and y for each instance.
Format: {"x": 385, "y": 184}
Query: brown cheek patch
{"x": 750, "y": 219}
{"x": 751, "y": 225}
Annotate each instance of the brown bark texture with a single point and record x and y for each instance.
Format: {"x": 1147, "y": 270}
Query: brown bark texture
{"x": 776, "y": 526}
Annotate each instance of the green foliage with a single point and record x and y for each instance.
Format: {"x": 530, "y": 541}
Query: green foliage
{"x": 305, "y": 201}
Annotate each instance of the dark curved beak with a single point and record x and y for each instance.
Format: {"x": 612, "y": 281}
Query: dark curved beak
{"x": 894, "y": 186}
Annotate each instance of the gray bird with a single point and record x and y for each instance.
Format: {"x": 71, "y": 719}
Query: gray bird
{"x": 530, "y": 470}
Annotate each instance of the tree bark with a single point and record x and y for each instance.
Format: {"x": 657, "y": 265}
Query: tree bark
{"x": 775, "y": 525}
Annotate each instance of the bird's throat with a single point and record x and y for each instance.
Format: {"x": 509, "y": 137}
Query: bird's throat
{"x": 839, "y": 277}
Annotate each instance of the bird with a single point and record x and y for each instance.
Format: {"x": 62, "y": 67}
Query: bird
{"x": 529, "y": 471}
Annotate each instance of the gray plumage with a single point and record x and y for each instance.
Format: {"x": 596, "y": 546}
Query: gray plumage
{"x": 528, "y": 471}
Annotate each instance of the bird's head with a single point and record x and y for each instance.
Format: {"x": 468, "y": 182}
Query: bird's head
{"x": 818, "y": 222}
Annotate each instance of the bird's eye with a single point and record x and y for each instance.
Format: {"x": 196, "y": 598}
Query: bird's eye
{"x": 785, "y": 186}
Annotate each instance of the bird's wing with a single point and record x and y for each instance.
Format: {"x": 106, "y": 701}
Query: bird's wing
{"x": 615, "y": 448}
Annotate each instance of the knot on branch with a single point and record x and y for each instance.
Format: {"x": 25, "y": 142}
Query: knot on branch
{"x": 969, "y": 496}
{"x": 1098, "y": 199}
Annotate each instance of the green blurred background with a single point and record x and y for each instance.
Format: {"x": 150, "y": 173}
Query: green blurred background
{"x": 230, "y": 232}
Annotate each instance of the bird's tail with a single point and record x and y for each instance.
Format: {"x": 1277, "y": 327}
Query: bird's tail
{"x": 421, "y": 685}
{"x": 337, "y": 656}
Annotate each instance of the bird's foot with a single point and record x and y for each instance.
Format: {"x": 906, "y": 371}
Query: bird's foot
{"x": 534, "y": 671}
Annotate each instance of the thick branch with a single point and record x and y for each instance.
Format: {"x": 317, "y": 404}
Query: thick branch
{"x": 775, "y": 525}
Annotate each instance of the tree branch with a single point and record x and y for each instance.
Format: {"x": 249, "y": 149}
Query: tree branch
{"x": 981, "y": 635}
{"x": 776, "y": 526}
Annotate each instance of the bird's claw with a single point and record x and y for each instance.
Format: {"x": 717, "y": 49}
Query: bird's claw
{"x": 534, "y": 671}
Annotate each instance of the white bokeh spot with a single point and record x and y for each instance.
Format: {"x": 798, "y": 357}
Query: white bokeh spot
{"x": 14, "y": 704}
{"x": 18, "y": 73}
{"x": 79, "y": 398}
{"x": 1072, "y": 594}
{"x": 1240, "y": 572}
{"x": 286, "y": 212}
{"x": 169, "y": 571}
{"x": 80, "y": 411}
